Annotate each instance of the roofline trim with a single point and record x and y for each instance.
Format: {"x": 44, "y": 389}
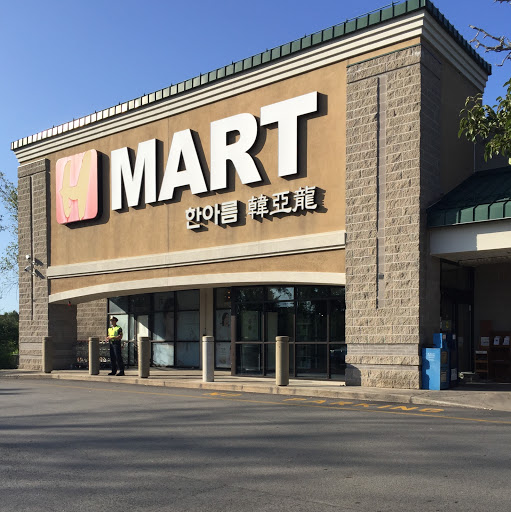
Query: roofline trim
{"x": 336, "y": 32}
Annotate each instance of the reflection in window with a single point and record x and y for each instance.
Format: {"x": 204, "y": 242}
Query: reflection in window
{"x": 250, "y": 325}
{"x": 164, "y": 301}
{"x": 311, "y": 321}
{"x": 280, "y": 293}
{"x": 163, "y": 354}
{"x": 140, "y": 303}
{"x": 118, "y": 305}
{"x": 312, "y": 292}
{"x": 337, "y": 320}
{"x": 251, "y": 294}
{"x": 311, "y": 360}
{"x": 223, "y": 325}
{"x": 248, "y": 358}
{"x": 188, "y": 326}
{"x": 163, "y": 326}
{"x": 187, "y": 354}
{"x": 280, "y": 318}
{"x": 223, "y": 355}
{"x": 223, "y": 298}
{"x": 337, "y": 359}
{"x": 188, "y": 300}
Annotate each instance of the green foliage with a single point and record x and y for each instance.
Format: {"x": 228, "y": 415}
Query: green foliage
{"x": 9, "y": 334}
{"x": 9, "y": 223}
{"x": 490, "y": 125}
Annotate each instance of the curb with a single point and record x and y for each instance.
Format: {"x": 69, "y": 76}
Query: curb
{"x": 343, "y": 392}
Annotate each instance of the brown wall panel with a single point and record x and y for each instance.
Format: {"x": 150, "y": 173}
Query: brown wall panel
{"x": 327, "y": 261}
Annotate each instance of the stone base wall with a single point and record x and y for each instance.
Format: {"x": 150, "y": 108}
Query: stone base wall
{"x": 377, "y": 376}
{"x": 384, "y": 366}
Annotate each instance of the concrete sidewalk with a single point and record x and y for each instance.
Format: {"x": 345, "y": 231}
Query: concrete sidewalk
{"x": 491, "y": 396}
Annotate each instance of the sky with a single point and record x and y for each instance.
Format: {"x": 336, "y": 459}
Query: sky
{"x": 62, "y": 60}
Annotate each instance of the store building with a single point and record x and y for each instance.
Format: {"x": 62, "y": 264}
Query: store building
{"x": 284, "y": 194}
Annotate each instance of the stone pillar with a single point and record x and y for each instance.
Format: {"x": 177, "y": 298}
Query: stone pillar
{"x": 282, "y": 360}
{"x": 144, "y": 356}
{"x": 392, "y": 174}
{"x": 38, "y": 318}
{"x": 208, "y": 359}
{"x": 93, "y": 356}
{"x": 48, "y": 354}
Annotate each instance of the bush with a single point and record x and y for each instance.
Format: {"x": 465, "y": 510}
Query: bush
{"x": 9, "y": 335}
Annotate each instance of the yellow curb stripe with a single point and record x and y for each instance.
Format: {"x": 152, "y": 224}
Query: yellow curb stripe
{"x": 296, "y": 404}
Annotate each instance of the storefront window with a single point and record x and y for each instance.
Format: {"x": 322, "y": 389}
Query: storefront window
{"x": 311, "y": 360}
{"x": 248, "y": 358}
{"x": 164, "y": 301}
{"x": 250, "y": 322}
{"x": 223, "y": 354}
{"x": 118, "y": 305}
{"x": 312, "y": 292}
{"x": 280, "y": 293}
{"x": 313, "y": 317}
{"x": 188, "y": 300}
{"x": 169, "y": 319}
{"x": 337, "y": 360}
{"x": 251, "y": 294}
{"x": 140, "y": 303}
{"x": 188, "y": 326}
{"x": 223, "y": 325}
{"x": 222, "y": 328}
{"x": 163, "y": 354}
{"x": 280, "y": 317}
{"x": 337, "y": 320}
{"x": 163, "y": 326}
{"x": 311, "y": 321}
{"x": 223, "y": 298}
{"x": 187, "y": 355}
{"x": 187, "y": 329}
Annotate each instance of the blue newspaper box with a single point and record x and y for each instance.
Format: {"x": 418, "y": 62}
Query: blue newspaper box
{"x": 435, "y": 368}
{"x": 440, "y": 340}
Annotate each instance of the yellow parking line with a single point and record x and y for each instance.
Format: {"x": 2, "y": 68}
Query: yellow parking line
{"x": 292, "y": 403}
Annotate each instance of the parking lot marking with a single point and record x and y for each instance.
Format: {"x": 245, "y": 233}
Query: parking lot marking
{"x": 301, "y": 402}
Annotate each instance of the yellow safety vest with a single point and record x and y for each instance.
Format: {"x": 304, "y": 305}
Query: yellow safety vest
{"x": 114, "y": 331}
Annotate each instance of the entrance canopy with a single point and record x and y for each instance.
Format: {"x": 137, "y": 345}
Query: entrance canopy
{"x": 472, "y": 223}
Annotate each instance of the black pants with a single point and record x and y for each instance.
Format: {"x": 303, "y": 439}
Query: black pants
{"x": 116, "y": 356}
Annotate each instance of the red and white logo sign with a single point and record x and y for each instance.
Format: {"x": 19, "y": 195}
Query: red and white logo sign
{"x": 77, "y": 187}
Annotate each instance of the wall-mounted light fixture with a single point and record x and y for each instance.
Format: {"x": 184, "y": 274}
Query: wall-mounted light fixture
{"x": 31, "y": 266}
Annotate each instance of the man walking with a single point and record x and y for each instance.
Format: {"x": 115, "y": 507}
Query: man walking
{"x": 115, "y": 337}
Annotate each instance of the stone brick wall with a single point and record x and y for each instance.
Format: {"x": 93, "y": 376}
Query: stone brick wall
{"x": 392, "y": 166}
{"x": 33, "y": 289}
{"x": 91, "y": 319}
{"x": 38, "y": 319}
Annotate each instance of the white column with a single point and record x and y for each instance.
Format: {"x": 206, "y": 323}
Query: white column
{"x": 208, "y": 359}
{"x": 93, "y": 356}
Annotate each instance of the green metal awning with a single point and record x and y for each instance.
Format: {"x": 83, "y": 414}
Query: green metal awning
{"x": 486, "y": 195}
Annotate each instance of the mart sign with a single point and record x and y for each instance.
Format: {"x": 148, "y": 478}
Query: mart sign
{"x": 77, "y": 187}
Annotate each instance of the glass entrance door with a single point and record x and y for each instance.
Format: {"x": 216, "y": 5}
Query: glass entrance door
{"x": 464, "y": 338}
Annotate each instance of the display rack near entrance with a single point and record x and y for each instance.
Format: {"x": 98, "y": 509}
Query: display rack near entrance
{"x": 493, "y": 355}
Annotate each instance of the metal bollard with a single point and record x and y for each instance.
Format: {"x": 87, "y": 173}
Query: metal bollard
{"x": 93, "y": 356}
{"x": 48, "y": 353}
{"x": 144, "y": 356}
{"x": 282, "y": 360}
{"x": 208, "y": 359}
